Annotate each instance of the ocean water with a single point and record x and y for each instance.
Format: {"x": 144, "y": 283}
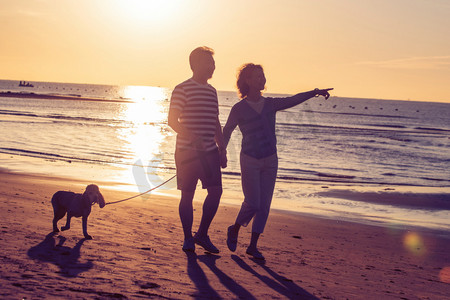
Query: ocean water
{"x": 358, "y": 145}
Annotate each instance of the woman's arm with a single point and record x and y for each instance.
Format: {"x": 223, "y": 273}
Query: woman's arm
{"x": 231, "y": 124}
{"x": 221, "y": 144}
{"x": 219, "y": 136}
{"x": 289, "y": 102}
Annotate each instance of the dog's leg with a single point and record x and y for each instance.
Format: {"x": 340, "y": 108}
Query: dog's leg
{"x": 84, "y": 222}
{"x": 58, "y": 214}
{"x": 58, "y": 211}
{"x": 67, "y": 227}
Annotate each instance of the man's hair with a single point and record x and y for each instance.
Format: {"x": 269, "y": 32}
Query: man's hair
{"x": 244, "y": 73}
{"x": 197, "y": 55}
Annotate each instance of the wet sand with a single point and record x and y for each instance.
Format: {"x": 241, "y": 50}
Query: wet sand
{"x": 136, "y": 253}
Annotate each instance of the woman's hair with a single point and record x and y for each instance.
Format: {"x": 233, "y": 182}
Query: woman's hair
{"x": 243, "y": 74}
{"x": 198, "y": 54}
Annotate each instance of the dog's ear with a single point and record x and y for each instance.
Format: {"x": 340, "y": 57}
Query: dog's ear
{"x": 101, "y": 200}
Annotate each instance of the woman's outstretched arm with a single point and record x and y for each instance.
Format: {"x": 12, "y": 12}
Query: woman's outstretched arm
{"x": 288, "y": 102}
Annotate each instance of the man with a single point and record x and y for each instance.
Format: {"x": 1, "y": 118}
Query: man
{"x": 200, "y": 148}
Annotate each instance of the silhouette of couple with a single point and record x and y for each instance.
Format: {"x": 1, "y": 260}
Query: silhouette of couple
{"x": 201, "y": 144}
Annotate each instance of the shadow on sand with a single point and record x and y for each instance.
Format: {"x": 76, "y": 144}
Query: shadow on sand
{"x": 279, "y": 283}
{"x": 198, "y": 277}
{"x": 65, "y": 258}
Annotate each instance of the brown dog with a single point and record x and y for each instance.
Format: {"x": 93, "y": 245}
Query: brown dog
{"x": 75, "y": 205}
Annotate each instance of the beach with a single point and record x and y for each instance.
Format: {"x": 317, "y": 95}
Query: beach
{"x": 342, "y": 106}
{"x": 136, "y": 253}
{"x": 390, "y": 158}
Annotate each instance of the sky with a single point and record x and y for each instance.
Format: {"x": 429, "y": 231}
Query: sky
{"x": 383, "y": 49}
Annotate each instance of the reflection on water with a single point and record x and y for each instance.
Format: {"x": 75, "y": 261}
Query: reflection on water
{"x": 143, "y": 140}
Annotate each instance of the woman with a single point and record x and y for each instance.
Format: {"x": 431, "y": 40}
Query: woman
{"x": 255, "y": 116}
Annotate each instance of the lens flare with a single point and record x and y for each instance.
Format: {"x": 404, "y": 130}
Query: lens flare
{"x": 414, "y": 244}
{"x": 444, "y": 275}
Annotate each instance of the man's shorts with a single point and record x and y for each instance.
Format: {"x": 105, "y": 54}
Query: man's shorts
{"x": 193, "y": 165}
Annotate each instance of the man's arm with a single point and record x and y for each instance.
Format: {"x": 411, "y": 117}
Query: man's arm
{"x": 174, "y": 123}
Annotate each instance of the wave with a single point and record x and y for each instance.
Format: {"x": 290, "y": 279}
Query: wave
{"x": 54, "y": 156}
{"x": 343, "y": 128}
{"x": 429, "y": 201}
{"x": 114, "y": 158}
{"x": 300, "y": 176}
{"x": 387, "y": 125}
{"x": 435, "y": 179}
{"x": 80, "y": 120}
{"x": 59, "y": 117}
{"x": 432, "y": 129}
{"x": 358, "y": 114}
{"x": 57, "y": 96}
{"x": 17, "y": 113}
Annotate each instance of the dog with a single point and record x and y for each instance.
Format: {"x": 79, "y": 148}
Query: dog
{"x": 76, "y": 205}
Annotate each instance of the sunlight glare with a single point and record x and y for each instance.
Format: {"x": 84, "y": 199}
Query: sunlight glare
{"x": 143, "y": 140}
{"x": 147, "y": 106}
{"x": 143, "y": 11}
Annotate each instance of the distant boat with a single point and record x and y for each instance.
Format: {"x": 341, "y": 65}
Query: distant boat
{"x": 25, "y": 84}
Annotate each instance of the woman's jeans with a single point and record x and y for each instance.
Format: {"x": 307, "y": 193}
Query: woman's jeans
{"x": 258, "y": 178}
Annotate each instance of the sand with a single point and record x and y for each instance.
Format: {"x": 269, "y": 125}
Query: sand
{"x": 136, "y": 253}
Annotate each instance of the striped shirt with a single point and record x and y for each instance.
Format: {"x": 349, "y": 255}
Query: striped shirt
{"x": 199, "y": 109}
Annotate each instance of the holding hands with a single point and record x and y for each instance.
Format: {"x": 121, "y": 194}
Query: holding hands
{"x": 223, "y": 158}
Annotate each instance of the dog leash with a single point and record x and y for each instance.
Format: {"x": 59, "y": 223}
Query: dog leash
{"x": 143, "y": 192}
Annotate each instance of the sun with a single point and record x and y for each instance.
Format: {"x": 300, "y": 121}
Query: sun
{"x": 147, "y": 11}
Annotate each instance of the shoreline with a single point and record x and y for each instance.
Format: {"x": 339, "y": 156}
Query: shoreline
{"x": 403, "y": 206}
{"x": 136, "y": 253}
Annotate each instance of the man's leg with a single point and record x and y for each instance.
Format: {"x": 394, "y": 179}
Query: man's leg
{"x": 210, "y": 207}
{"x": 212, "y": 181}
{"x": 209, "y": 211}
{"x": 186, "y": 182}
{"x": 186, "y": 212}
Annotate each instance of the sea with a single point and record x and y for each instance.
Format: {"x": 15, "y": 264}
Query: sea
{"x": 391, "y": 157}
